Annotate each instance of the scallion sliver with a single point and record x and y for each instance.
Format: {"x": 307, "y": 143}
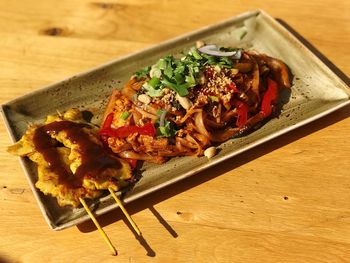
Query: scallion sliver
{"x": 125, "y": 115}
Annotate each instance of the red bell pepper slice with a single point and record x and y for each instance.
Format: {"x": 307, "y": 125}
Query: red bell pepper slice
{"x": 242, "y": 112}
{"x": 122, "y": 132}
{"x": 108, "y": 121}
{"x": 270, "y": 97}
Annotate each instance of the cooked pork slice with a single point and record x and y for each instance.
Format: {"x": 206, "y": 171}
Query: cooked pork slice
{"x": 71, "y": 160}
{"x": 49, "y": 179}
{"x": 89, "y": 160}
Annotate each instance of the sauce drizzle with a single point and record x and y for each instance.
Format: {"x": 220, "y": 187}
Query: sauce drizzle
{"x": 93, "y": 157}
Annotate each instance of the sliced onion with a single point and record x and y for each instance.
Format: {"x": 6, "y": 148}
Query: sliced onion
{"x": 198, "y": 146}
{"x": 187, "y": 115}
{"x": 237, "y": 54}
{"x": 150, "y": 109}
{"x": 181, "y": 148}
{"x": 202, "y": 139}
{"x": 136, "y": 116}
{"x": 198, "y": 119}
{"x": 214, "y": 124}
{"x": 213, "y": 50}
{"x": 141, "y": 156}
{"x": 186, "y": 143}
{"x": 228, "y": 115}
{"x": 146, "y": 114}
{"x": 162, "y": 118}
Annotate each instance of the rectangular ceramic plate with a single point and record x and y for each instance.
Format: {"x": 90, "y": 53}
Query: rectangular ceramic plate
{"x": 316, "y": 92}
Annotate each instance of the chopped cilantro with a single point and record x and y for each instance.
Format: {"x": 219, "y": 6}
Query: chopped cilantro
{"x": 181, "y": 89}
{"x": 154, "y": 82}
{"x": 180, "y": 74}
{"x": 152, "y": 91}
{"x": 168, "y": 130}
{"x": 142, "y": 72}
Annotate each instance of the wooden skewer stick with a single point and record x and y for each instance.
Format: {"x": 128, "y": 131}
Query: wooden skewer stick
{"x": 103, "y": 234}
{"x": 125, "y": 212}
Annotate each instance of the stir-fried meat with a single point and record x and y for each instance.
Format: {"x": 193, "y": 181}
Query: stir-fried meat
{"x": 80, "y": 168}
{"x": 48, "y": 180}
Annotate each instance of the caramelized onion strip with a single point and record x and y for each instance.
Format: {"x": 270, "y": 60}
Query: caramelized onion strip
{"x": 188, "y": 114}
{"x": 199, "y": 122}
{"x": 141, "y": 156}
{"x": 198, "y": 146}
{"x": 221, "y": 136}
{"x": 146, "y": 114}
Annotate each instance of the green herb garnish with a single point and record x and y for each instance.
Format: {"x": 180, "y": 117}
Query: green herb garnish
{"x": 142, "y": 73}
{"x": 168, "y": 130}
{"x": 181, "y": 89}
{"x": 182, "y": 74}
{"x": 154, "y": 82}
{"x": 152, "y": 91}
{"x": 244, "y": 33}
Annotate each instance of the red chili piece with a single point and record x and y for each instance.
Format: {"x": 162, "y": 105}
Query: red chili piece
{"x": 242, "y": 111}
{"x": 270, "y": 97}
{"x": 132, "y": 162}
{"x": 108, "y": 121}
{"x": 209, "y": 73}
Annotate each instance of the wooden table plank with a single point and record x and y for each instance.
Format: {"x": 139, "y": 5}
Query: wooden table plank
{"x": 284, "y": 201}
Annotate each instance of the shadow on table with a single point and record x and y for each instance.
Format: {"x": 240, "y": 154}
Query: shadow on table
{"x": 4, "y": 259}
{"x": 148, "y": 202}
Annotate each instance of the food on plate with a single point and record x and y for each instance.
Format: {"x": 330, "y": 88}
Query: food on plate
{"x": 181, "y": 106}
{"x": 71, "y": 159}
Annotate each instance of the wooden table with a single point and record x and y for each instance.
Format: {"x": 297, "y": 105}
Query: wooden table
{"x": 284, "y": 201}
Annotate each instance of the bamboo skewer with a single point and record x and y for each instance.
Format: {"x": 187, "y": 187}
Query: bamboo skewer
{"x": 120, "y": 204}
{"x": 103, "y": 234}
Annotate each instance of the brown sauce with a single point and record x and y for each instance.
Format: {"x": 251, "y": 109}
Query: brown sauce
{"x": 94, "y": 159}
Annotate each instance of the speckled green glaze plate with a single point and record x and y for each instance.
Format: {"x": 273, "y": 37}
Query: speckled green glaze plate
{"x": 316, "y": 92}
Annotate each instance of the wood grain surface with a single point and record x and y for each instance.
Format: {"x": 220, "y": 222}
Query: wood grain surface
{"x": 284, "y": 201}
